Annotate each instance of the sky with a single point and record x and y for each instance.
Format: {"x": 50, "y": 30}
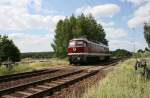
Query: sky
{"x": 31, "y": 24}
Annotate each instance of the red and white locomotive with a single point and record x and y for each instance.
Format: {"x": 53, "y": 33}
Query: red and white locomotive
{"x": 81, "y": 50}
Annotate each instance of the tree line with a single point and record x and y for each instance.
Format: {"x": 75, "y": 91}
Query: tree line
{"x": 37, "y": 55}
{"x": 119, "y": 53}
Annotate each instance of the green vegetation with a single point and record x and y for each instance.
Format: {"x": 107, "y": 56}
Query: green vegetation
{"x": 147, "y": 33}
{"x": 121, "y": 53}
{"x": 8, "y": 50}
{"x": 143, "y": 54}
{"x": 16, "y": 69}
{"x": 37, "y": 55}
{"x": 34, "y": 65}
{"x": 75, "y": 27}
{"x": 123, "y": 82}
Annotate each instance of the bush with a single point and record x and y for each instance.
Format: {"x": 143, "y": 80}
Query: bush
{"x": 121, "y": 53}
{"x": 8, "y": 50}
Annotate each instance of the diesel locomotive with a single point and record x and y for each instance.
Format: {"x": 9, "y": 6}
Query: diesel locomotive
{"x": 82, "y": 50}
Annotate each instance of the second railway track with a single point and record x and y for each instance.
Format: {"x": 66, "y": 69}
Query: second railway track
{"x": 16, "y": 76}
{"x": 25, "y": 74}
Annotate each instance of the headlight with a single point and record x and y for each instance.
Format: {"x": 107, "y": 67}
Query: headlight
{"x": 74, "y": 49}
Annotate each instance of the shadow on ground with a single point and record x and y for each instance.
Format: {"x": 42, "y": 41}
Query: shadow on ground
{"x": 95, "y": 63}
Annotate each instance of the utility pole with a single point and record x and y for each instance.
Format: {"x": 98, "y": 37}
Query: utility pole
{"x": 133, "y": 40}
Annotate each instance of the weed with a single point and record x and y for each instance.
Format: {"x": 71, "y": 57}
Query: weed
{"x": 123, "y": 82}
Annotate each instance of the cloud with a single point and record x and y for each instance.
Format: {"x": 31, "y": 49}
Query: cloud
{"x": 99, "y": 10}
{"x": 16, "y": 18}
{"x": 115, "y": 33}
{"x": 136, "y": 2}
{"x": 14, "y": 15}
{"x": 141, "y": 16}
{"x": 37, "y": 4}
{"x": 126, "y": 44}
{"x": 120, "y": 44}
{"x": 106, "y": 24}
{"x": 32, "y": 43}
{"x": 15, "y": 3}
{"x": 115, "y": 36}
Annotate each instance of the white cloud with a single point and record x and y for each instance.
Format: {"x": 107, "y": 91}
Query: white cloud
{"x": 37, "y": 4}
{"x": 106, "y": 24}
{"x": 115, "y": 36}
{"x": 14, "y": 15}
{"x": 119, "y": 44}
{"x": 111, "y": 31}
{"x": 115, "y": 33}
{"x": 126, "y": 44}
{"x": 141, "y": 15}
{"x": 99, "y": 10}
{"x": 16, "y": 3}
{"x": 32, "y": 43}
{"x": 136, "y": 2}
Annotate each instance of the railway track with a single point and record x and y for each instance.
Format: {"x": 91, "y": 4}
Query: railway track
{"x": 12, "y": 77}
{"x": 32, "y": 84}
{"x": 48, "y": 86}
{"x": 18, "y": 76}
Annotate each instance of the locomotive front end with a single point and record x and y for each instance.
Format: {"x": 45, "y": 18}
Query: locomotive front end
{"x": 76, "y": 50}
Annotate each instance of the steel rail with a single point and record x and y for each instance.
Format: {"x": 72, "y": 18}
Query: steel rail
{"x": 23, "y": 86}
{"x": 12, "y": 77}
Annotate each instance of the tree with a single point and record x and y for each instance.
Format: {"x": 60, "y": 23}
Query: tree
{"x": 140, "y": 51}
{"x": 75, "y": 27}
{"x": 8, "y": 50}
{"x": 121, "y": 53}
{"x": 147, "y": 33}
{"x": 146, "y": 49}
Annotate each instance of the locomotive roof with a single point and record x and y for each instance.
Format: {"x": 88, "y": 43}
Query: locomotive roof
{"x": 94, "y": 42}
{"x": 80, "y": 39}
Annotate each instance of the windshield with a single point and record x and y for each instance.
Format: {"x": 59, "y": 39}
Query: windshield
{"x": 77, "y": 43}
{"x": 72, "y": 43}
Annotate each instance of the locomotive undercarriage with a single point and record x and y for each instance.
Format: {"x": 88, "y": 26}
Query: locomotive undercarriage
{"x": 83, "y": 59}
{"x": 80, "y": 59}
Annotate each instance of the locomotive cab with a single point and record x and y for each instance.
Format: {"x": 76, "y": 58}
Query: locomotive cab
{"x": 77, "y": 46}
{"x": 76, "y": 50}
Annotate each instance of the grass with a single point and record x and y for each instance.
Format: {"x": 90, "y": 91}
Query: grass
{"x": 25, "y": 67}
{"x": 123, "y": 82}
{"x": 145, "y": 54}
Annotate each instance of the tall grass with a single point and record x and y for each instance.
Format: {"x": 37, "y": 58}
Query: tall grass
{"x": 123, "y": 82}
{"x": 24, "y": 67}
{"x": 15, "y": 69}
